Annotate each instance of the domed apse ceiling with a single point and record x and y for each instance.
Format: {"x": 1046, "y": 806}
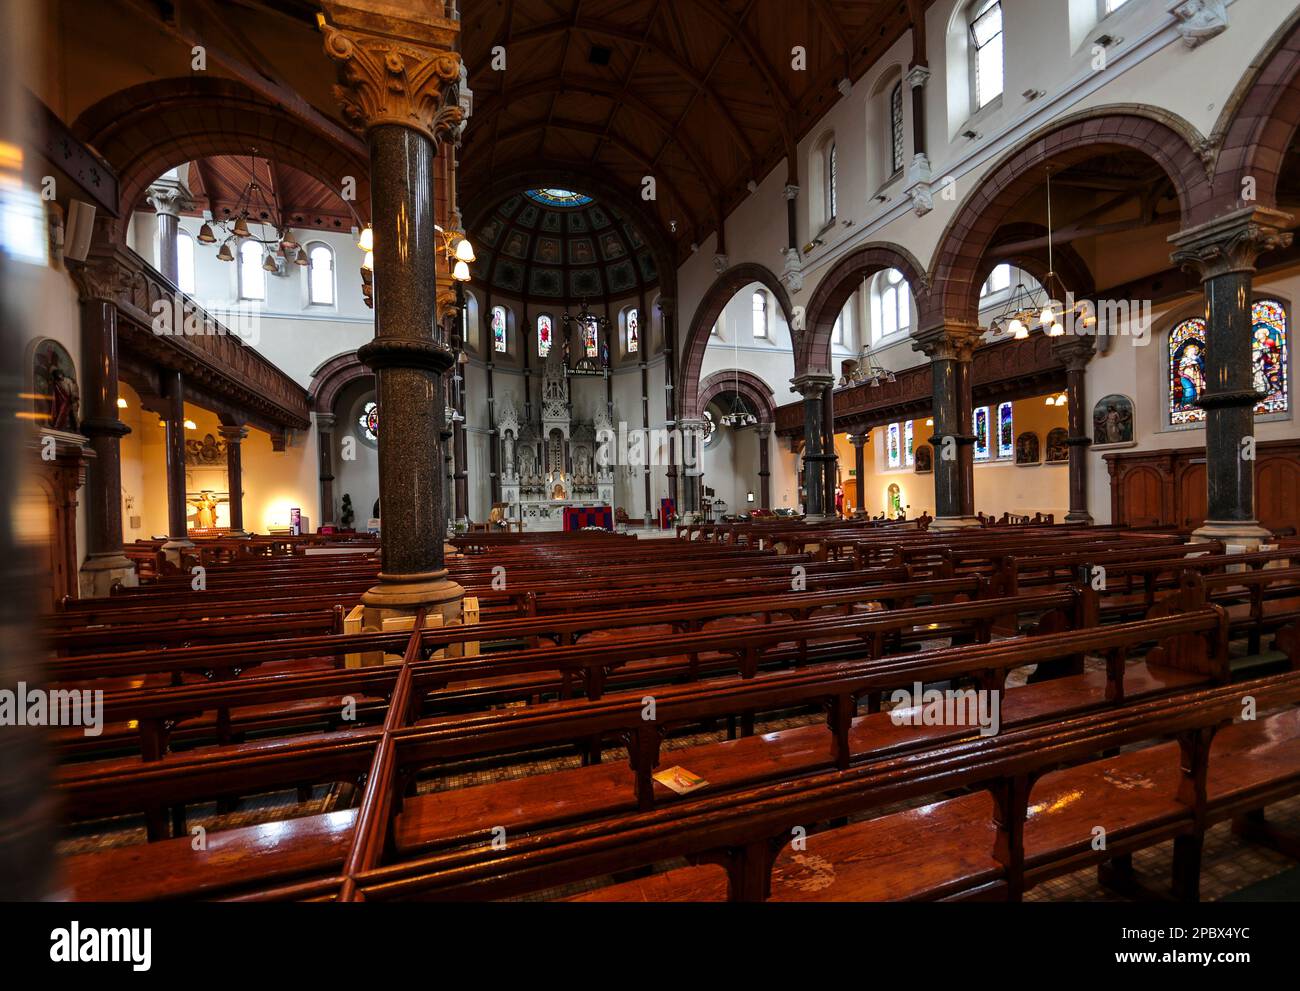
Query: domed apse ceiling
{"x": 561, "y": 245}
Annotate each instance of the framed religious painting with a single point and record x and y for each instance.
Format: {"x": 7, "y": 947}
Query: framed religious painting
{"x": 1113, "y": 423}
{"x": 1028, "y": 451}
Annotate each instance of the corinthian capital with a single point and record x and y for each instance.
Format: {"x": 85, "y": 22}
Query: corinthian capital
{"x": 101, "y": 277}
{"x": 950, "y": 340}
{"x": 1231, "y": 243}
{"x": 395, "y": 66}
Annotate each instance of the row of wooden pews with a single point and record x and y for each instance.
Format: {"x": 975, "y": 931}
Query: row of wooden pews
{"x": 526, "y": 763}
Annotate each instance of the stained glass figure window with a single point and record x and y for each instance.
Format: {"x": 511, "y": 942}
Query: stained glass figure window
{"x": 633, "y": 331}
{"x": 982, "y": 434}
{"x": 499, "y": 329}
{"x": 590, "y": 339}
{"x": 544, "y": 335}
{"x": 1006, "y": 432}
{"x": 892, "y": 446}
{"x": 1269, "y": 355}
{"x": 1187, "y": 353}
{"x": 909, "y": 456}
{"x": 368, "y": 421}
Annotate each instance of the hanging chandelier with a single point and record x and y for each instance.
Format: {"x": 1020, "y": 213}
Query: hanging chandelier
{"x": 739, "y": 415}
{"x": 260, "y": 206}
{"x": 1026, "y": 307}
{"x": 593, "y": 336}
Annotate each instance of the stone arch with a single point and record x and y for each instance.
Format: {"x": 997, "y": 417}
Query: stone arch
{"x": 331, "y": 378}
{"x": 813, "y": 350}
{"x": 1071, "y": 270}
{"x": 1259, "y": 121}
{"x": 757, "y": 393}
{"x": 146, "y": 129}
{"x": 711, "y": 306}
{"x": 1167, "y": 139}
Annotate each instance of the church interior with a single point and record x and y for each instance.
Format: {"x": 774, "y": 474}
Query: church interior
{"x": 633, "y": 451}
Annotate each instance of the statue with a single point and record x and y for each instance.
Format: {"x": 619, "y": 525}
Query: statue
{"x": 65, "y": 401}
{"x": 205, "y": 510}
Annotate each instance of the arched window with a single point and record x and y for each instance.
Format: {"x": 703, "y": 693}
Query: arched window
{"x": 1110, "y": 6}
{"x": 896, "y": 127}
{"x": 760, "y": 314}
{"x": 986, "y": 51}
{"x": 252, "y": 277}
{"x": 368, "y": 421}
{"x": 891, "y": 304}
{"x": 185, "y": 263}
{"x": 909, "y": 454}
{"x": 591, "y": 338}
{"x": 832, "y": 181}
{"x": 893, "y": 446}
{"x": 1186, "y": 353}
{"x": 499, "y": 329}
{"x": 982, "y": 434}
{"x": 1006, "y": 432}
{"x": 320, "y": 274}
{"x": 545, "y": 328}
{"x": 632, "y": 327}
{"x": 837, "y": 332}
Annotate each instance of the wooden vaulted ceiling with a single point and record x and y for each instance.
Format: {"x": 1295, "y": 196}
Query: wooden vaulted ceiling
{"x": 217, "y": 185}
{"x": 700, "y": 94}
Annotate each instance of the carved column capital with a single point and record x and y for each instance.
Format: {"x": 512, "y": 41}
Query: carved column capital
{"x": 956, "y": 341}
{"x": 169, "y": 198}
{"x": 1075, "y": 351}
{"x": 232, "y": 433}
{"x": 918, "y": 76}
{"x": 790, "y": 192}
{"x": 395, "y": 67}
{"x": 813, "y": 386}
{"x": 1231, "y": 243}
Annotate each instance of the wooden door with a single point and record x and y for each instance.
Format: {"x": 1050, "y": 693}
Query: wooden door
{"x": 1141, "y": 496}
{"x": 1277, "y": 492}
{"x": 850, "y": 486}
{"x": 1192, "y": 496}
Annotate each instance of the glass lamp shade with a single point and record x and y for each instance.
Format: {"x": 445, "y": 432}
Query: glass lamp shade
{"x": 1047, "y": 318}
{"x": 191, "y": 425}
{"x": 224, "y": 254}
{"x": 301, "y": 259}
{"x": 368, "y": 263}
{"x": 241, "y": 227}
{"x": 1061, "y": 399}
{"x": 1018, "y": 330}
{"x": 464, "y": 250}
{"x": 268, "y": 263}
{"x": 460, "y": 272}
{"x": 205, "y": 235}
{"x": 367, "y": 240}
{"x": 1049, "y": 401}
{"x": 287, "y": 243}
{"x": 1058, "y": 329}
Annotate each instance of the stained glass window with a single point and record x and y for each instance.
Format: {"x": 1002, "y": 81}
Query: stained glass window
{"x": 896, "y": 127}
{"x": 892, "y": 446}
{"x": 633, "y": 331}
{"x": 1269, "y": 355}
{"x": 1006, "y": 432}
{"x": 368, "y": 421}
{"x": 590, "y": 340}
{"x": 544, "y": 335}
{"x": 909, "y": 457}
{"x": 832, "y": 181}
{"x": 982, "y": 434}
{"x": 499, "y": 328}
{"x": 1187, "y": 353}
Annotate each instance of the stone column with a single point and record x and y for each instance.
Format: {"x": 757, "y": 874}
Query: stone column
{"x": 404, "y": 95}
{"x": 692, "y": 463}
{"x": 168, "y": 198}
{"x": 1223, "y": 253}
{"x": 1076, "y": 352}
{"x": 859, "y": 467}
{"x": 105, "y": 565}
{"x": 830, "y": 469}
{"x": 460, "y": 443}
{"x": 325, "y": 450}
{"x": 918, "y": 170}
{"x": 233, "y": 435}
{"x": 814, "y": 388}
{"x": 950, "y": 347}
{"x": 670, "y": 379}
{"x": 173, "y": 396}
{"x": 764, "y": 472}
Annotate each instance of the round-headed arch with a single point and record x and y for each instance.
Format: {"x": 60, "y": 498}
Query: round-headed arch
{"x": 756, "y": 393}
{"x": 1164, "y": 137}
{"x": 813, "y": 353}
{"x": 715, "y": 300}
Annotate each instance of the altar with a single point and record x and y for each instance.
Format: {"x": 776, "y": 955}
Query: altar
{"x": 555, "y": 465}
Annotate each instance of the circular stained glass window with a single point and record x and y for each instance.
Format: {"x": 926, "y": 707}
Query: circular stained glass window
{"x": 558, "y": 197}
{"x": 368, "y": 421}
